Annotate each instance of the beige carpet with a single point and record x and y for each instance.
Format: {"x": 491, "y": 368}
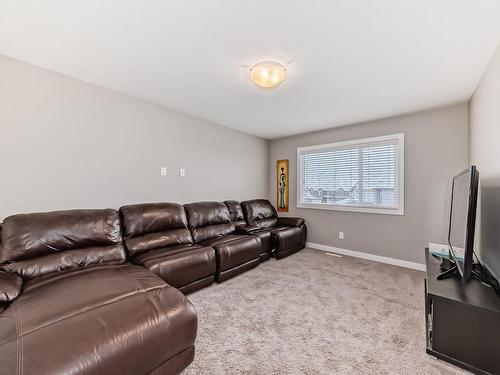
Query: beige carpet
{"x": 313, "y": 313}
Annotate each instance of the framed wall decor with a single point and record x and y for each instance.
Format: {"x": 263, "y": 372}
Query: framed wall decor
{"x": 282, "y": 183}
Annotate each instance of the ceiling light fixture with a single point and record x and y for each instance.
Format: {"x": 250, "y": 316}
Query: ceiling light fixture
{"x": 267, "y": 74}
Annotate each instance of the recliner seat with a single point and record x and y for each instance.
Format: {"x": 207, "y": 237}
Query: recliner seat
{"x": 211, "y": 225}
{"x": 73, "y": 305}
{"x": 280, "y": 236}
{"x": 157, "y": 237}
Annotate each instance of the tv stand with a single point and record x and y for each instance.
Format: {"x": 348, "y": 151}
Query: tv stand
{"x": 462, "y": 320}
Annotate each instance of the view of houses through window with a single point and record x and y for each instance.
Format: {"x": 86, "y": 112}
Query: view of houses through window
{"x": 362, "y": 173}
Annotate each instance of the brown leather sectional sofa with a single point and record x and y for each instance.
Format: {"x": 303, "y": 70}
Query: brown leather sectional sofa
{"x": 99, "y": 291}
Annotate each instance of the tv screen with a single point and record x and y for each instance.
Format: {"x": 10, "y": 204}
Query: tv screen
{"x": 463, "y": 220}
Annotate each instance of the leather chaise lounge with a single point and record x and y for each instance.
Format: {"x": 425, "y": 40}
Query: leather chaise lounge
{"x": 280, "y": 236}
{"x": 83, "y": 309}
{"x": 157, "y": 237}
{"x": 211, "y": 225}
{"x": 102, "y": 291}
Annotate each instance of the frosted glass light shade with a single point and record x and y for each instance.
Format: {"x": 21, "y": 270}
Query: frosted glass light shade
{"x": 267, "y": 74}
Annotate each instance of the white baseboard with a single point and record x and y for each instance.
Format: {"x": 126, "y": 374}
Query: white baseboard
{"x": 372, "y": 257}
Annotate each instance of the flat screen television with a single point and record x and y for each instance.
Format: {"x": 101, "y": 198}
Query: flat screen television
{"x": 463, "y": 220}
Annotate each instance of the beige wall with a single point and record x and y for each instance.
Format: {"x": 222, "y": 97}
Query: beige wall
{"x": 484, "y": 110}
{"x": 435, "y": 150}
{"x": 68, "y": 144}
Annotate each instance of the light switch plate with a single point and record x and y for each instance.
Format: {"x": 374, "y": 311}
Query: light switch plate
{"x": 163, "y": 171}
{"x": 182, "y": 172}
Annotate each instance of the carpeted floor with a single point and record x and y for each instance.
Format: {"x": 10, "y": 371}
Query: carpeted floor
{"x": 313, "y": 313}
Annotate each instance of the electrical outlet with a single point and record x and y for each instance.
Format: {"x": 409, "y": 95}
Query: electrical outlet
{"x": 163, "y": 171}
{"x": 341, "y": 235}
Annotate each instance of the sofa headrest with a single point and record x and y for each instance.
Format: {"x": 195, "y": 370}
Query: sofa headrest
{"x": 201, "y": 214}
{"x": 61, "y": 240}
{"x": 154, "y": 225}
{"x": 235, "y": 210}
{"x": 208, "y": 220}
{"x": 260, "y": 212}
{"x": 140, "y": 219}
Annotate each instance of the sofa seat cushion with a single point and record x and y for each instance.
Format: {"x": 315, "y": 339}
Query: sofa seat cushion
{"x": 106, "y": 319}
{"x": 179, "y": 265}
{"x": 222, "y": 239}
{"x": 233, "y": 253}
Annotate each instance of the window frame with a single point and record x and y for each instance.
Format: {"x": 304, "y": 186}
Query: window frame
{"x": 400, "y": 174}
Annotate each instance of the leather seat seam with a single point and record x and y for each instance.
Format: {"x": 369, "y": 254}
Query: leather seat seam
{"x": 69, "y": 273}
{"x": 19, "y": 344}
{"x": 166, "y": 255}
{"x": 86, "y": 311}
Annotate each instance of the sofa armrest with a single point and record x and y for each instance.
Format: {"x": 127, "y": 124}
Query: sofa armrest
{"x": 246, "y": 229}
{"x": 10, "y": 287}
{"x": 290, "y": 221}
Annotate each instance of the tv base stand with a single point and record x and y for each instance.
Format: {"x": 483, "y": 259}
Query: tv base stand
{"x": 462, "y": 321}
{"x": 449, "y": 268}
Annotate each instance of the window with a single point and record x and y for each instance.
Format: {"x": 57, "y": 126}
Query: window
{"x": 365, "y": 175}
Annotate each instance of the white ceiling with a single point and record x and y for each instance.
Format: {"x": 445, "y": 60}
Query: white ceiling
{"x": 351, "y": 60}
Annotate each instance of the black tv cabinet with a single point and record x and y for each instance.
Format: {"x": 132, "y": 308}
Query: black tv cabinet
{"x": 462, "y": 321}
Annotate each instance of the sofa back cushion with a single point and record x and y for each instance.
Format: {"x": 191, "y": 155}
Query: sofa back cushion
{"x": 235, "y": 212}
{"x": 154, "y": 225}
{"x": 260, "y": 212}
{"x": 41, "y": 243}
{"x": 208, "y": 220}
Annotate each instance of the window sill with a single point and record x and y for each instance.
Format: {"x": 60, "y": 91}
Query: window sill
{"x": 383, "y": 211}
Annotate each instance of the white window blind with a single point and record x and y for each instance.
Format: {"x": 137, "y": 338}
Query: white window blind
{"x": 362, "y": 175}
